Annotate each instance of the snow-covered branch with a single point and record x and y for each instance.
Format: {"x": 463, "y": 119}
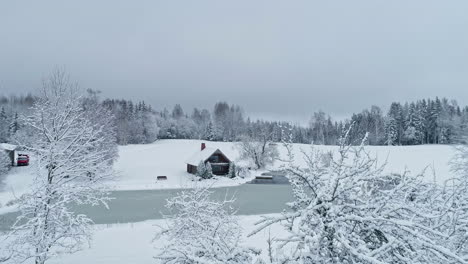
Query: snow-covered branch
{"x": 201, "y": 230}
{"x": 347, "y": 210}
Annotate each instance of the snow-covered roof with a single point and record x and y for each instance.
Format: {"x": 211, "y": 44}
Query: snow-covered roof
{"x": 6, "y": 146}
{"x": 202, "y": 155}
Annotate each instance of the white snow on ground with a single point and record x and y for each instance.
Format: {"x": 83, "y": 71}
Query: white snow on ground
{"x": 14, "y": 184}
{"x": 139, "y": 165}
{"x": 132, "y": 243}
{"x": 432, "y": 158}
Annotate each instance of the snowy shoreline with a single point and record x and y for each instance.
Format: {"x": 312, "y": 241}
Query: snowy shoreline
{"x": 132, "y": 242}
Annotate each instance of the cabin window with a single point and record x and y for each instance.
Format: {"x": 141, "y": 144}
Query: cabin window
{"x": 214, "y": 159}
{"x": 216, "y": 168}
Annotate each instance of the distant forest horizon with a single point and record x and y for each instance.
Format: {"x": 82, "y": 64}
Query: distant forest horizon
{"x": 424, "y": 121}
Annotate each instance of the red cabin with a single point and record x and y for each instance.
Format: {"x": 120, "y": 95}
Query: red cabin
{"x": 218, "y": 161}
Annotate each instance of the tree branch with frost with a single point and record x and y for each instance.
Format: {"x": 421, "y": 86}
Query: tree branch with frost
{"x": 201, "y": 230}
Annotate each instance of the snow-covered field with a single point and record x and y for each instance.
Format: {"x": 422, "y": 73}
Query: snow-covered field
{"x": 132, "y": 243}
{"x": 15, "y": 183}
{"x": 139, "y": 165}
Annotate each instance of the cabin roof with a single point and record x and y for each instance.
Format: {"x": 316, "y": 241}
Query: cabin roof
{"x": 9, "y": 147}
{"x": 202, "y": 155}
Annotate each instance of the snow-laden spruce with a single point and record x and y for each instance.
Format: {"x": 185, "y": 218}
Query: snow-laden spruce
{"x": 201, "y": 230}
{"x": 5, "y": 163}
{"x": 346, "y": 210}
{"x": 72, "y": 153}
{"x": 204, "y": 170}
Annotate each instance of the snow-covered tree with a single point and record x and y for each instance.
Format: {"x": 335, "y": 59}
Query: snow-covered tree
{"x": 95, "y": 112}
{"x": 414, "y": 131}
{"x": 232, "y": 170}
{"x": 346, "y": 210}
{"x": 391, "y": 130}
{"x": 201, "y": 230}
{"x": 135, "y": 123}
{"x": 459, "y": 163}
{"x": 317, "y": 125}
{"x": 410, "y": 135}
{"x": 204, "y": 170}
{"x": 212, "y": 132}
{"x": 4, "y": 126}
{"x": 5, "y": 163}
{"x": 395, "y": 125}
{"x": 260, "y": 151}
{"x": 177, "y": 112}
{"x": 71, "y": 165}
{"x": 209, "y": 171}
{"x": 14, "y": 125}
{"x": 228, "y": 121}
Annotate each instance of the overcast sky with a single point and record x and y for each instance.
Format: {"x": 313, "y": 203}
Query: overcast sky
{"x": 275, "y": 58}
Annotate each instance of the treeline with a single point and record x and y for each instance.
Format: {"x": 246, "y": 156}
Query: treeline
{"x": 426, "y": 121}
{"x": 135, "y": 123}
{"x": 10, "y": 110}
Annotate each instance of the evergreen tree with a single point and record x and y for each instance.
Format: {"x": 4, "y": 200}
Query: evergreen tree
{"x": 177, "y": 112}
{"x": 14, "y": 125}
{"x": 232, "y": 170}
{"x": 5, "y": 163}
{"x": 204, "y": 170}
{"x": 413, "y": 132}
{"x": 209, "y": 171}
{"x": 395, "y": 125}
{"x": 391, "y": 130}
{"x": 4, "y": 129}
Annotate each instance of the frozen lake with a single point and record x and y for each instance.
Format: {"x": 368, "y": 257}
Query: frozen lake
{"x": 136, "y": 206}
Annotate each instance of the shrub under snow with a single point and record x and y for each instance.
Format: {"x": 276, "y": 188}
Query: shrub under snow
{"x": 201, "y": 230}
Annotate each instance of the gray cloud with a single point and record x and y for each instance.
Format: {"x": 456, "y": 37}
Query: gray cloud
{"x": 283, "y": 58}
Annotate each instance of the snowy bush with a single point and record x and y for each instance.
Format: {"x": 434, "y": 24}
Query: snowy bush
{"x": 455, "y": 200}
{"x": 242, "y": 171}
{"x": 232, "y": 170}
{"x": 459, "y": 163}
{"x": 204, "y": 170}
{"x": 201, "y": 230}
{"x": 346, "y": 210}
